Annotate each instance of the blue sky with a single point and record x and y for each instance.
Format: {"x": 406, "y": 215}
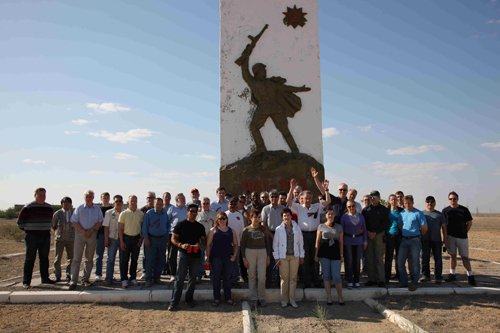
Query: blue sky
{"x": 123, "y": 96}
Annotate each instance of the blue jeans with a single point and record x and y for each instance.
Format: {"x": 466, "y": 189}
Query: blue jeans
{"x": 331, "y": 270}
{"x": 99, "y": 254}
{"x": 144, "y": 258}
{"x": 221, "y": 268}
{"x": 34, "y": 244}
{"x": 201, "y": 269}
{"x": 185, "y": 263}
{"x": 352, "y": 257}
{"x": 409, "y": 246}
{"x": 155, "y": 257}
{"x": 110, "y": 263}
{"x": 235, "y": 270}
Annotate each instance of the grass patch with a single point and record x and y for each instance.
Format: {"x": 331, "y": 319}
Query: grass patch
{"x": 10, "y": 231}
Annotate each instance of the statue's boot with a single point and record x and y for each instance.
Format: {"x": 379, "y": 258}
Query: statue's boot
{"x": 259, "y": 143}
{"x": 291, "y": 142}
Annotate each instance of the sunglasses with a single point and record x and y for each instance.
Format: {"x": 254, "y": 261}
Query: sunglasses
{"x": 264, "y": 197}
{"x": 150, "y": 198}
{"x": 118, "y": 200}
{"x": 429, "y": 201}
{"x": 242, "y": 201}
{"x": 222, "y": 218}
{"x": 452, "y": 199}
{"x": 274, "y": 196}
{"x": 351, "y": 206}
{"x": 342, "y": 190}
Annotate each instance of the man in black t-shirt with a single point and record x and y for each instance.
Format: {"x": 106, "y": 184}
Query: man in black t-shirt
{"x": 189, "y": 237}
{"x": 458, "y": 223}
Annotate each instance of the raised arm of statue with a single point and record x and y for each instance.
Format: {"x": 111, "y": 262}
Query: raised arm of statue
{"x": 295, "y": 89}
{"x": 249, "y": 48}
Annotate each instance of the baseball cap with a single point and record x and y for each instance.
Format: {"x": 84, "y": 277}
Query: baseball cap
{"x": 375, "y": 194}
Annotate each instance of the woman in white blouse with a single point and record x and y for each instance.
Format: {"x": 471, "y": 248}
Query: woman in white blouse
{"x": 288, "y": 252}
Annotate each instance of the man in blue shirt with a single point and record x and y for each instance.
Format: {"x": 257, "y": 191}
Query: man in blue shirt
{"x": 155, "y": 231}
{"x": 413, "y": 225}
{"x": 175, "y": 214}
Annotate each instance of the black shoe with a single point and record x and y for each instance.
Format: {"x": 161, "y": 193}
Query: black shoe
{"x": 439, "y": 279}
{"x": 451, "y": 278}
{"x": 318, "y": 285}
{"x": 190, "y": 304}
{"x": 68, "y": 277}
{"x": 26, "y": 286}
{"x": 370, "y": 283}
{"x": 472, "y": 280}
{"x": 387, "y": 281}
{"x": 72, "y": 287}
{"x": 58, "y": 279}
{"x": 172, "y": 307}
{"x": 48, "y": 281}
{"x": 381, "y": 285}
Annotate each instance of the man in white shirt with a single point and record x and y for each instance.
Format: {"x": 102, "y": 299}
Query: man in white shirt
{"x": 235, "y": 222}
{"x": 207, "y": 219}
{"x": 308, "y": 221}
{"x": 111, "y": 238}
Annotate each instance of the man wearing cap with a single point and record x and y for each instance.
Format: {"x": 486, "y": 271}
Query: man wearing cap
{"x": 195, "y": 198}
{"x": 186, "y": 236}
{"x": 235, "y": 221}
{"x": 458, "y": 224}
{"x": 220, "y": 205}
{"x": 177, "y": 213}
{"x": 207, "y": 219}
{"x": 377, "y": 219}
{"x": 155, "y": 231}
{"x": 64, "y": 237}
{"x": 271, "y": 218}
{"x": 413, "y": 225}
{"x": 431, "y": 241}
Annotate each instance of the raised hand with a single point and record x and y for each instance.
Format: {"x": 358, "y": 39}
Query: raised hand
{"x": 293, "y": 183}
{"x": 326, "y": 184}
{"x": 314, "y": 172}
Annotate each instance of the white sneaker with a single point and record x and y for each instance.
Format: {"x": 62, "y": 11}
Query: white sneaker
{"x": 134, "y": 282}
{"x": 357, "y": 285}
{"x": 284, "y": 304}
{"x": 292, "y": 302}
{"x": 349, "y": 286}
{"x": 124, "y": 284}
{"x": 98, "y": 278}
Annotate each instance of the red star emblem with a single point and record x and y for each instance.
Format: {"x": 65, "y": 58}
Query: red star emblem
{"x": 294, "y": 17}
{"x": 237, "y": 217}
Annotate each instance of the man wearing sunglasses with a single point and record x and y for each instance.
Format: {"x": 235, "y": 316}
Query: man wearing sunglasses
{"x": 431, "y": 241}
{"x": 458, "y": 223}
{"x": 186, "y": 237}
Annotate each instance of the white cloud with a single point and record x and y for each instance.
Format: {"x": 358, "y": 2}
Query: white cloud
{"x": 494, "y": 35}
{"x": 129, "y": 173}
{"x": 90, "y": 113}
{"x": 123, "y": 156}
{"x": 107, "y": 107}
{"x": 96, "y": 172}
{"x": 492, "y": 145}
{"x": 496, "y": 173}
{"x": 122, "y": 137}
{"x": 416, "y": 169}
{"x": 170, "y": 175}
{"x": 68, "y": 109}
{"x": 210, "y": 157}
{"x": 328, "y": 132}
{"x": 94, "y": 156}
{"x": 80, "y": 121}
{"x": 412, "y": 150}
{"x": 493, "y": 21}
{"x": 186, "y": 155}
{"x": 34, "y": 162}
{"x": 70, "y": 132}
{"x": 204, "y": 174}
{"x": 366, "y": 128}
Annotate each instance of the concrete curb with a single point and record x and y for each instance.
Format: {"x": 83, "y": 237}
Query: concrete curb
{"x": 4, "y": 296}
{"x": 393, "y": 317}
{"x": 247, "y": 318}
{"x": 319, "y": 294}
{"x": 272, "y": 295}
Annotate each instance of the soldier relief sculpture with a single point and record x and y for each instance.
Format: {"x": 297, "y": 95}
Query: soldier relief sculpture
{"x": 274, "y": 99}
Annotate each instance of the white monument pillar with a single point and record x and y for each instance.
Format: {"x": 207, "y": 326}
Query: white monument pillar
{"x": 292, "y": 133}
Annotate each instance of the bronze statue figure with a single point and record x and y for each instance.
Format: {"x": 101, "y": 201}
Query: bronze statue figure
{"x": 273, "y": 99}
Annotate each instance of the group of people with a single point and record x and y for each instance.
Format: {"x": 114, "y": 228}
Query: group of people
{"x": 253, "y": 237}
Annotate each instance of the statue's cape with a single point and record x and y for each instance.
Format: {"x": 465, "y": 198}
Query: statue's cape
{"x": 289, "y": 102}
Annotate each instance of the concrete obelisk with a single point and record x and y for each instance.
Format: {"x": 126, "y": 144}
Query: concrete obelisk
{"x": 271, "y": 129}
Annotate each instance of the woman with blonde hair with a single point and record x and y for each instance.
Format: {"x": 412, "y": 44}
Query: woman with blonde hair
{"x": 222, "y": 247}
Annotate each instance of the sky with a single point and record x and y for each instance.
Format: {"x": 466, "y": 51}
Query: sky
{"x": 123, "y": 97}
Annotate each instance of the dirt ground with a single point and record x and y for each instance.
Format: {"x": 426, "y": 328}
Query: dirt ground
{"x": 353, "y": 317}
{"x": 119, "y": 317}
{"x": 453, "y": 313}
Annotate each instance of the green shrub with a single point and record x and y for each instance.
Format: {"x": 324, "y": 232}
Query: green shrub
{"x": 11, "y": 231}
